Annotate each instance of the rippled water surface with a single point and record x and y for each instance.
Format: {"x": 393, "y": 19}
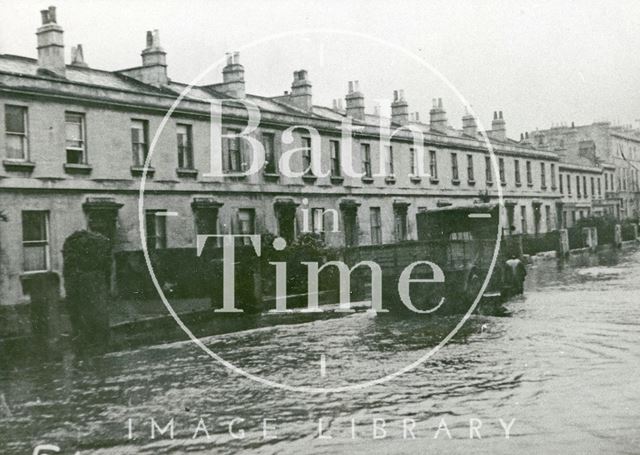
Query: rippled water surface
{"x": 565, "y": 364}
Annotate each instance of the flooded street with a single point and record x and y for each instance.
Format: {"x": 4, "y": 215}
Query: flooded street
{"x": 564, "y": 364}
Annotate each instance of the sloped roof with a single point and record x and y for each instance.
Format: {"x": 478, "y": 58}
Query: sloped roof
{"x": 87, "y": 76}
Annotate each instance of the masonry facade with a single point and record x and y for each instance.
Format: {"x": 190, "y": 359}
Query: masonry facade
{"x": 598, "y": 150}
{"x": 75, "y": 140}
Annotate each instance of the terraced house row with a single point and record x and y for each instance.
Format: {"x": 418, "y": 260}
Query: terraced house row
{"x": 74, "y": 142}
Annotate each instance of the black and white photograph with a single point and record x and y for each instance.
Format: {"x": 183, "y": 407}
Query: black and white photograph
{"x": 319, "y": 227}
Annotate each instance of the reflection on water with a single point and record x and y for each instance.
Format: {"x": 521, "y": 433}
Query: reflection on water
{"x": 564, "y": 364}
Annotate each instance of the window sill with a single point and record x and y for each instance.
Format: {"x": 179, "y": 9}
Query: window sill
{"x": 530, "y": 185}
{"x": 309, "y": 178}
{"x": 415, "y": 178}
{"x": 543, "y": 187}
{"x": 335, "y": 179}
{"x": 21, "y": 166}
{"x": 553, "y": 188}
{"x": 77, "y": 168}
{"x": 390, "y": 180}
{"x": 271, "y": 175}
{"x": 471, "y": 182}
{"x": 518, "y": 184}
{"x": 489, "y": 183}
{"x": 367, "y": 179}
{"x": 137, "y": 171}
{"x": 187, "y": 173}
{"x": 503, "y": 183}
{"x": 434, "y": 181}
{"x": 455, "y": 181}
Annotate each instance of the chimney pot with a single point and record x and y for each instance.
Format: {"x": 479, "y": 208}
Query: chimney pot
{"x": 355, "y": 101}
{"x": 51, "y": 43}
{"x": 77, "y": 56}
{"x": 301, "y": 90}
{"x": 498, "y": 130}
{"x": 399, "y": 108}
{"x": 438, "y": 116}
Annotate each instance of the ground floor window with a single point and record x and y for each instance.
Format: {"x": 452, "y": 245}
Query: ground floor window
{"x": 523, "y": 219}
{"x": 35, "y": 240}
{"x": 400, "y": 223}
{"x": 246, "y": 224}
{"x": 376, "y": 226}
{"x": 156, "y": 227}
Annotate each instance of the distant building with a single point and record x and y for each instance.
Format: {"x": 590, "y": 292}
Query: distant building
{"x": 74, "y": 141}
{"x": 600, "y": 150}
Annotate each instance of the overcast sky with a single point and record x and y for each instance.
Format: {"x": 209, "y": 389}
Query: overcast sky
{"x": 541, "y": 62}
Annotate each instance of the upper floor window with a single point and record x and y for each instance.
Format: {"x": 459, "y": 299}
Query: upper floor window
{"x": 412, "y": 162}
{"x": 15, "y": 121}
{"x": 335, "y": 158}
{"x": 553, "y": 176}
{"x": 433, "y": 164}
{"x": 578, "y": 186}
{"x": 139, "y": 135}
{"x": 529, "y": 176}
{"x": 470, "y": 173}
{"x": 599, "y": 187}
{"x": 488, "y": 172}
{"x": 185, "y": 147}
{"x": 455, "y": 175}
{"x": 593, "y": 186}
{"x": 75, "y": 138}
{"x": 543, "y": 176}
{"x": 234, "y": 152}
{"x": 503, "y": 179}
{"x": 366, "y": 159}
{"x": 270, "y": 159}
{"x": 584, "y": 186}
{"x": 561, "y": 184}
{"x": 390, "y": 171}
{"x": 35, "y": 240}
{"x": 516, "y": 165}
{"x": 568, "y": 184}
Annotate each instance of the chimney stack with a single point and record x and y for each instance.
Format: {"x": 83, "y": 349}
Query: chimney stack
{"x": 399, "y": 108}
{"x": 469, "y": 125}
{"x": 50, "y": 44}
{"x": 233, "y": 76}
{"x": 154, "y": 61}
{"x": 77, "y": 56}
{"x": 355, "y": 101}
{"x": 301, "y": 90}
{"x": 498, "y": 130}
{"x": 438, "y": 116}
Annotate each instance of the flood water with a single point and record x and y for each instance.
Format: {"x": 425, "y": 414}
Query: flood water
{"x": 565, "y": 364}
